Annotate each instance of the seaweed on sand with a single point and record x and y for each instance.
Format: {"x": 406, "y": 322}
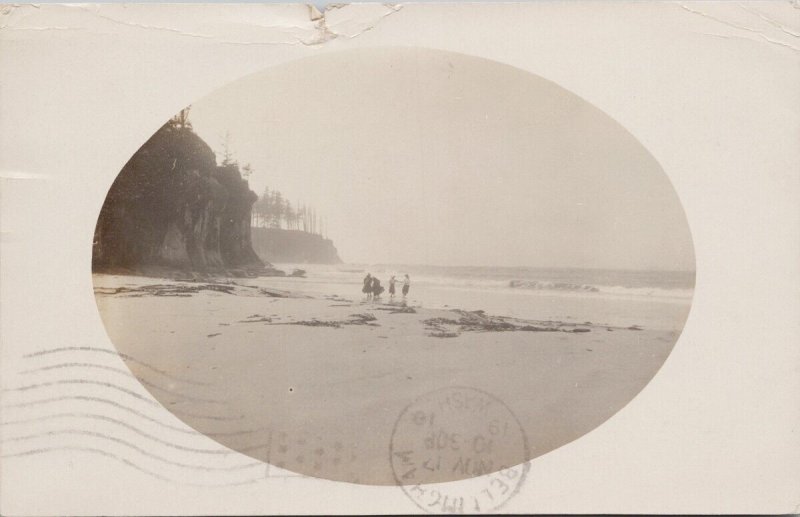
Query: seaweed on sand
{"x": 361, "y": 319}
{"x": 479, "y": 321}
{"x": 397, "y": 309}
{"x": 443, "y": 334}
{"x": 314, "y": 323}
{"x": 355, "y": 319}
{"x": 166, "y": 289}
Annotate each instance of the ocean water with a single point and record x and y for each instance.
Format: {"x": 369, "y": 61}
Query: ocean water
{"x": 655, "y": 299}
{"x": 601, "y": 282}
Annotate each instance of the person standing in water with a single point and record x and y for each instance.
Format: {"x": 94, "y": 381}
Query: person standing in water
{"x": 367, "y": 289}
{"x": 392, "y": 281}
{"x": 406, "y": 286}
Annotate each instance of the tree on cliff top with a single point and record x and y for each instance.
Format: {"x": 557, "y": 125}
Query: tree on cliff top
{"x": 172, "y": 205}
{"x": 272, "y": 210}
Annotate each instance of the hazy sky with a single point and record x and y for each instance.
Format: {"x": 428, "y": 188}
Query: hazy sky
{"x": 428, "y": 157}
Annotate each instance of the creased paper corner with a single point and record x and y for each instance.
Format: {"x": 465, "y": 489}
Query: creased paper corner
{"x": 251, "y": 24}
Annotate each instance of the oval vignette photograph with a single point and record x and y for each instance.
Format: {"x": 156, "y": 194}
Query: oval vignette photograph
{"x": 393, "y": 266}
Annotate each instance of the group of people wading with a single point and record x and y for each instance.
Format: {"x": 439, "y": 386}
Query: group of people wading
{"x": 373, "y": 288}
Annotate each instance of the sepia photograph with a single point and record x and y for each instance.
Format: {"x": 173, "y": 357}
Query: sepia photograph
{"x": 427, "y": 258}
{"x": 289, "y": 267}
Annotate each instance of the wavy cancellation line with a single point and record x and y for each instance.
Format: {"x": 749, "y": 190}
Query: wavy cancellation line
{"x": 102, "y": 436}
{"x": 113, "y": 403}
{"x": 99, "y": 405}
{"x": 137, "y": 448}
{"x": 134, "y": 465}
{"x": 110, "y": 385}
{"x": 123, "y": 373}
{"x": 123, "y": 424}
{"x": 93, "y": 398}
{"x": 87, "y": 382}
{"x": 126, "y": 357}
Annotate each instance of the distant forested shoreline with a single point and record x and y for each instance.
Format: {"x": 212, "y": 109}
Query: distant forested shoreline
{"x": 173, "y": 206}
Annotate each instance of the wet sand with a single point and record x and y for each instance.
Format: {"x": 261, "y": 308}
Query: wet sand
{"x": 314, "y": 383}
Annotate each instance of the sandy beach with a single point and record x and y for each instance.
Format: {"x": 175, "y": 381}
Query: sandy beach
{"x": 313, "y": 382}
{"x": 525, "y": 285}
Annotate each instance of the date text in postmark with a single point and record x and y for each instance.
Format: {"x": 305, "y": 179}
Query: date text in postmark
{"x": 459, "y": 450}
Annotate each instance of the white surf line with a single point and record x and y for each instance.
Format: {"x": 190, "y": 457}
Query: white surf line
{"x": 131, "y": 464}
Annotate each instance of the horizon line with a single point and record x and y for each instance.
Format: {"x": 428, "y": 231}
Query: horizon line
{"x": 654, "y": 270}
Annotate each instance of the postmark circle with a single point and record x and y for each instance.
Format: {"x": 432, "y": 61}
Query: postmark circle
{"x": 461, "y": 435}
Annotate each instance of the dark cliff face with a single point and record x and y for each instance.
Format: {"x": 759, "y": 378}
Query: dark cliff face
{"x": 172, "y": 206}
{"x": 293, "y": 246}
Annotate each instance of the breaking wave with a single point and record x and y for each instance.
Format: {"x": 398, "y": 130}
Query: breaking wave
{"x": 566, "y": 282}
{"x": 650, "y": 292}
{"x": 551, "y": 286}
